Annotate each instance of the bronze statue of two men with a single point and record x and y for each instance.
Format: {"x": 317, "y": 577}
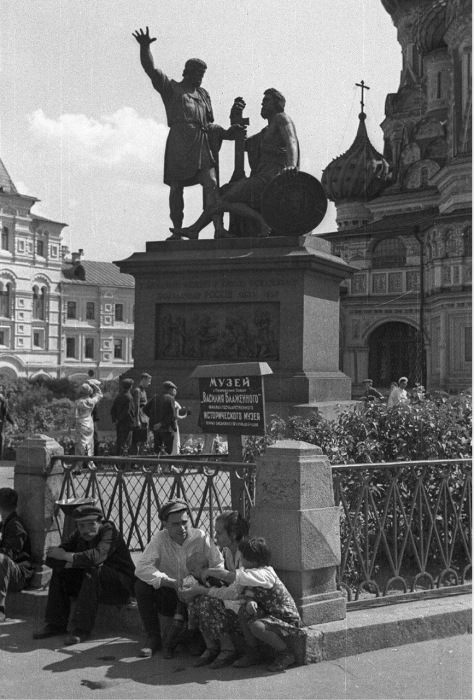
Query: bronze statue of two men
{"x": 193, "y": 145}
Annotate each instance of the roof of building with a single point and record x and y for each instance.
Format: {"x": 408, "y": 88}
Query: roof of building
{"x": 422, "y": 218}
{"x": 93, "y": 272}
{"x": 6, "y": 183}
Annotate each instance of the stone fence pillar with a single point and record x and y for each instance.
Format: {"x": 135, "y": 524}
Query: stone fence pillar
{"x": 38, "y": 487}
{"x": 295, "y": 512}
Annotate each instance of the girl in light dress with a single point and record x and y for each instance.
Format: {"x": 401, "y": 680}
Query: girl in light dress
{"x": 89, "y": 395}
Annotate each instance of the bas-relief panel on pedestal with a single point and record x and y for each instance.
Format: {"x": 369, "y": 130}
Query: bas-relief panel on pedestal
{"x": 230, "y": 331}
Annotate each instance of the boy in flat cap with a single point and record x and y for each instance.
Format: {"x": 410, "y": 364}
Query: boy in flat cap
{"x": 123, "y": 415}
{"x": 94, "y": 565}
{"x": 161, "y": 409}
{"x": 15, "y": 556}
{"x": 162, "y": 568}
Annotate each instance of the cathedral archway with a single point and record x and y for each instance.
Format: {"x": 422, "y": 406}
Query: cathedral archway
{"x": 394, "y": 351}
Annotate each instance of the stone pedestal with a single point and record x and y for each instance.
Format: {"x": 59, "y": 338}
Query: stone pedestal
{"x": 38, "y": 487}
{"x": 295, "y": 512}
{"x": 239, "y": 300}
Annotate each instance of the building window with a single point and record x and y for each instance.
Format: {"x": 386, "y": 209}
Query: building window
{"x": 390, "y": 252}
{"x": 89, "y": 349}
{"x": 39, "y": 303}
{"x": 5, "y": 237}
{"x": 38, "y": 339}
{"x": 468, "y": 344}
{"x": 2, "y": 338}
{"x": 90, "y": 310}
{"x": 119, "y": 312}
{"x": 70, "y": 347}
{"x": 5, "y": 300}
{"x": 71, "y": 309}
{"x": 133, "y": 348}
{"x": 118, "y": 349}
{"x": 438, "y": 86}
{"x": 40, "y": 248}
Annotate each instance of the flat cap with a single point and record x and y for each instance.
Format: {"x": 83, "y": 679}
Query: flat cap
{"x": 172, "y": 507}
{"x": 83, "y": 512}
{"x": 195, "y": 63}
{"x": 169, "y": 385}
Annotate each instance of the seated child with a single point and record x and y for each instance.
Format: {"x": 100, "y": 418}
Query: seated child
{"x": 269, "y": 612}
{"x": 196, "y": 564}
{"x": 15, "y": 559}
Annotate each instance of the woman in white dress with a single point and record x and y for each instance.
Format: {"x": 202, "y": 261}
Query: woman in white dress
{"x": 89, "y": 395}
{"x": 180, "y": 413}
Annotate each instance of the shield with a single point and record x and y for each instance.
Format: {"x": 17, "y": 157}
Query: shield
{"x": 293, "y": 203}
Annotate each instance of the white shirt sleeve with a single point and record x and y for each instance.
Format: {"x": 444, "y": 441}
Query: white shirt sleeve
{"x": 216, "y": 560}
{"x": 264, "y": 577}
{"x": 147, "y": 567}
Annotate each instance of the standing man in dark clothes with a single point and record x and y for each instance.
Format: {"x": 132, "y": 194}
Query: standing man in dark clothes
{"x": 5, "y": 416}
{"x": 123, "y": 415}
{"x": 92, "y": 564}
{"x": 140, "y": 400}
{"x": 162, "y": 412}
{"x": 15, "y": 556}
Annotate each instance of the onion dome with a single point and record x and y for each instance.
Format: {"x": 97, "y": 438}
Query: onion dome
{"x": 431, "y": 27}
{"x": 360, "y": 173}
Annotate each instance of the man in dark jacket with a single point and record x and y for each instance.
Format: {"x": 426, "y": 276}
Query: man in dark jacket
{"x": 162, "y": 412}
{"x": 15, "y": 556}
{"x": 123, "y": 415}
{"x": 94, "y": 565}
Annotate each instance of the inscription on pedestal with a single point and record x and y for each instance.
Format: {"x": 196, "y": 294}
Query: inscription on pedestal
{"x": 224, "y": 331}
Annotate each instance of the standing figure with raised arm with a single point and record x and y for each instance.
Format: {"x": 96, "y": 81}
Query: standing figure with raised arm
{"x": 272, "y": 151}
{"x": 193, "y": 140}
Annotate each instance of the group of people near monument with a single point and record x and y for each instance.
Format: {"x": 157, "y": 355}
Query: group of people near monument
{"x": 133, "y": 415}
{"x": 221, "y": 599}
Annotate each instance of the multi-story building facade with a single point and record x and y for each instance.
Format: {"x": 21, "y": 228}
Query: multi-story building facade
{"x": 404, "y": 217}
{"x": 58, "y": 316}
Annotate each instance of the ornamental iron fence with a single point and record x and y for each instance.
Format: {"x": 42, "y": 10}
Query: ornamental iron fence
{"x": 406, "y": 527}
{"x": 131, "y": 492}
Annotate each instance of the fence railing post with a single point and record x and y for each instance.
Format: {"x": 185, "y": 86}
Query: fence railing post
{"x": 295, "y": 512}
{"x": 39, "y": 486}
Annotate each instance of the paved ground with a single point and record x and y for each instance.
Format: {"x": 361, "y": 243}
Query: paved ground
{"x": 108, "y": 668}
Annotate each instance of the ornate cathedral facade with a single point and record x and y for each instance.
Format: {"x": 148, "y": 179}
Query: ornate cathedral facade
{"x": 404, "y": 215}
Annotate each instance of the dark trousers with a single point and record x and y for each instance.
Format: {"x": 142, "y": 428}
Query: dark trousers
{"x": 12, "y": 578}
{"x": 164, "y": 440}
{"x": 99, "y": 584}
{"x": 153, "y": 602}
{"x": 124, "y": 440}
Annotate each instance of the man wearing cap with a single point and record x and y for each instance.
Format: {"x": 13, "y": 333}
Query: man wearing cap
{"x": 193, "y": 140}
{"x": 140, "y": 399}
{"x": 123, "y": 415}
{"x": 161, "y": 410}
{"x": 93, "y": 565}
{"x": 162, "y": 567}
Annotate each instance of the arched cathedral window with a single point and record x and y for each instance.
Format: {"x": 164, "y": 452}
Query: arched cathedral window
{"x": 39, "y": 303}
{"x": 390, "y": 252}
{"x": 5, "y": 299}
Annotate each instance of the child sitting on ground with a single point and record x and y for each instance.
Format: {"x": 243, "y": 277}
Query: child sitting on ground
{"x": 269, "y": 612}
{"x": 196, "y": 565}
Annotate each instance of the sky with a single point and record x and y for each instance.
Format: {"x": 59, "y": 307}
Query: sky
{"x": 83, "y": 130}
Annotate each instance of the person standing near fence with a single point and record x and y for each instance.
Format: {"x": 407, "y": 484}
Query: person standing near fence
{"x": 399, "y": 393}
{"x": 140, "y": 429}
{"x": 161, "y": 410}
{"x": 89, "y": 396}
{"x": 123, "y": 415}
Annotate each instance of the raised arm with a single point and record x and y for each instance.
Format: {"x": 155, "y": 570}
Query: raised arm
{"x": 146, "y": 59}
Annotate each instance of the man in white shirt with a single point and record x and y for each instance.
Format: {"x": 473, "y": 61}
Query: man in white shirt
{"x": 399, "y": 393}
{"x": 162, "y": 568}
